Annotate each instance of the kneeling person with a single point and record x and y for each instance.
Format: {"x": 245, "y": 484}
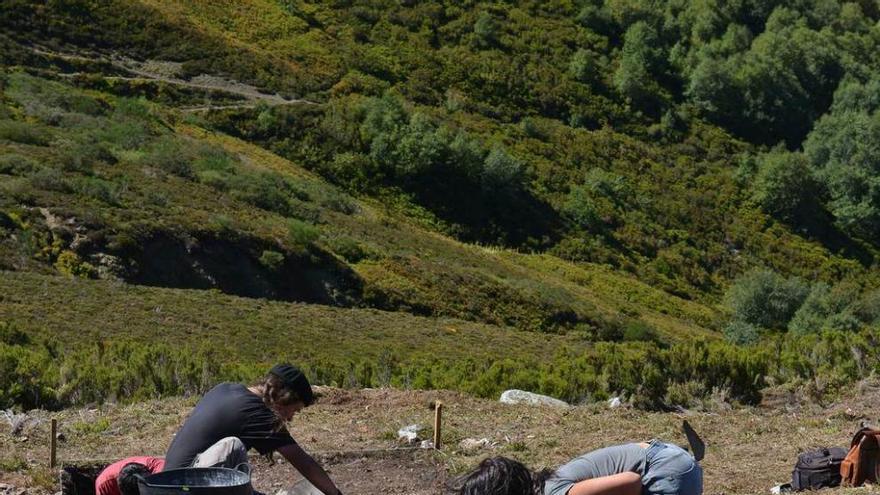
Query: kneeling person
{"x": 121, "y": 477}
{"x": 232, "y": 418}
{"x": 654, "y": 468}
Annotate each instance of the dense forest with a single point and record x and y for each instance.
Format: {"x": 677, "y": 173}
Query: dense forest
{"x": 694, "y": 177}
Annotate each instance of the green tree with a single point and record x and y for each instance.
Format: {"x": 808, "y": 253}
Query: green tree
{"x": 502, "y": 172}
{"x": 764, "y": 298}
{"x": 784, "y": 187}
{"x": 486, "y": 30}
{"x": 844, "y": 148}
{"x": 586, "y": 66}
{"x": 641, "y": 59}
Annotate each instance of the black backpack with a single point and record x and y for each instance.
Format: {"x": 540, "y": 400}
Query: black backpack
{"x": 818, "y": 469}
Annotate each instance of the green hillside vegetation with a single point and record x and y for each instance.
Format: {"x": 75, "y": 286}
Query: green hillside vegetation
{"x": 634, "y": 179}
{"x": 73, "y": 341}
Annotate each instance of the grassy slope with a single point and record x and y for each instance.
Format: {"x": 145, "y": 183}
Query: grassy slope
{"x": 80, "y": 312}
{"x": 408, "y": 267}
{"x": 435, "y": 266}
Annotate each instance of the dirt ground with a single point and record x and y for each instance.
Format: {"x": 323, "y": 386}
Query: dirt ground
{"x": 354, "y": 435}
{"x": 393, "y": 473}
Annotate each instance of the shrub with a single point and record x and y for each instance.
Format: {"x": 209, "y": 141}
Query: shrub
{"x": 340, "y": 203}
{"x": 741, "y": 333}
{"x": 268, "y": 191}
{"x": 272, "y": 260}
{"x": 502, "y": 173}
{"x": 11, "y": 335}
{"x": 586, "y": 66}
{"x": 170, "y": 155}
{"x": 22, "y": 132}
{"x": 580, "y": 207}
{"x": 348, "y": 248}
{"x": 302, "y": 234}
{"x": 83, "y": 156}
{"x": 127, "y": 371}
{"x": 49, "y": 179}
{"x": 15, "y": 164}
{"x": 356, "y": 171}
{"x": 688, "y": 394}
{"x": 822, "y": 308}
{"x": 764, "y": 298}
{"x": 486, "y": 30}
{"x": 27, "y": 377}
{"x": 102, "y": 190}
{"x": 69, "y": 263}
{"x": 214, "y": 158}
{"x": 639, "y": 331}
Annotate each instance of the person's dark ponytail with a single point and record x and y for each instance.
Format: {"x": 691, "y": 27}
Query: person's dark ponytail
{"x": 500, "y": 476}
{"x": 539, "y": 478}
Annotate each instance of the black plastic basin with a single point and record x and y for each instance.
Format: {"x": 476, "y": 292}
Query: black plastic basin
{"x": 198, "y": 481}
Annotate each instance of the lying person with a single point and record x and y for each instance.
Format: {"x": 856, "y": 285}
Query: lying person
{"x": 654, "y": 468}
{"x": 232, "y": 418}
{"x": 120, "y": 478}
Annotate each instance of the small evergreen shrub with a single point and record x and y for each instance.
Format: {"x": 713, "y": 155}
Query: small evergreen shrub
{"x": 302, "y": 234}
{"x": 741, "y": 333}
{"x": 15, "y": 164}
{"x": 272, "y": 260}
{"x": 764, "y": 298}
{"x": 22, "y": 132}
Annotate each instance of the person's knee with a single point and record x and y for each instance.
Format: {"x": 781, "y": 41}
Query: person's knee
{"x": 230, "y": 444}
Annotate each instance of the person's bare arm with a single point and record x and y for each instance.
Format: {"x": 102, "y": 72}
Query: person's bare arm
{"x": 308, "y": 467}
{"x": 617, "y": 484}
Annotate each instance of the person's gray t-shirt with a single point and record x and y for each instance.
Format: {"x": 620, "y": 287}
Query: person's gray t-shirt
{"x": 618, "y": 459}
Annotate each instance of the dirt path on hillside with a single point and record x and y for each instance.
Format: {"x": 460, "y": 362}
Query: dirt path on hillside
{"x": 168, "y": 72}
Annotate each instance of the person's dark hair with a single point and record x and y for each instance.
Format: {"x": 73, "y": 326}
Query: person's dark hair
{"x": 127, "y": 479}
{"x": 500, "y": 476}
{"x": 285, "y": 385}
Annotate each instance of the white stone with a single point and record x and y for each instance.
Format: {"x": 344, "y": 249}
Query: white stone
{"x": 303, "y": 487}
{"x": 409, "y": 434}
{"x": 614, "y": 402}
{"x": 523, "y": 397}
{"x": 472, "y": 444}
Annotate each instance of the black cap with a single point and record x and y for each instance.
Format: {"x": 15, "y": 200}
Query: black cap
{"x": 294, "y": 379}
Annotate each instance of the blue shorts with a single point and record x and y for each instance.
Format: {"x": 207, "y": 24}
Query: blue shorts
{"x": 671, "y": 470}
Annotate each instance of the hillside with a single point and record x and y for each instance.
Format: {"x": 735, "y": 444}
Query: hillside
{"x": 580, "y": 188}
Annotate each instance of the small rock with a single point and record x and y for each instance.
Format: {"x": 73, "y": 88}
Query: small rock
{"x": 23, "y": 439}
{"x": 409, "y": 434}
{"x": 614, "y": 402}
{"x": 426, "y": 444}
{"x": 523, "y": 397}
{"x": 472, "y": 444}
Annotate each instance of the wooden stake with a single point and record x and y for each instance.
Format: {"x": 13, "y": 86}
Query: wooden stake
{"x": 438, "y": 419}
{"x": 53, "y": 444}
